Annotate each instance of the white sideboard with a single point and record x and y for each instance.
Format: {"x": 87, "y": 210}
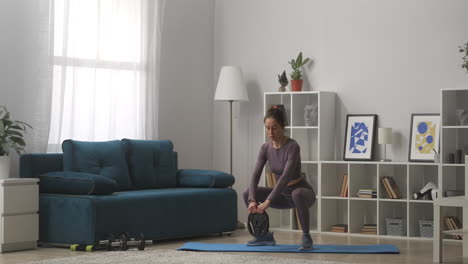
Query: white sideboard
{"x": 19, "y": 205}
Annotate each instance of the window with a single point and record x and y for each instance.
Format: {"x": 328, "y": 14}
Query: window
{"x": 100, "y": 64}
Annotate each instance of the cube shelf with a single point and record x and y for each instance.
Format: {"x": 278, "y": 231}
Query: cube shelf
{"x": 312, "y": 117}
{"x": 363, "y": 212}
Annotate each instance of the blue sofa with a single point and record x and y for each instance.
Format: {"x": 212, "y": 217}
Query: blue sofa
{"x": 96, "y": 188}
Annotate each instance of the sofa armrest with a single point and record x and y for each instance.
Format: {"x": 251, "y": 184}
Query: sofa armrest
{"x": 33, "y": 165}
{"x": 67, "y": 182}
{"x": 204, "y": 179}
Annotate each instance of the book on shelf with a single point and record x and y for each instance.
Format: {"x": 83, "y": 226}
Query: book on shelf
{"x": 367, "y": 193}
{"x": 387, "y": 187}
{"x": 270, "y": 177}
{"x": 344, "y": 186}
{"x": 453, "y": 223}
{"x": 392, "y": 187}
{"x": 369, "y": 229}
{"x": 340, "y": 228}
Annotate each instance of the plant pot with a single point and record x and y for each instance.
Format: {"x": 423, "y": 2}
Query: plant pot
{"x": 296, "y": 85}
{"x": 4, "y": 167}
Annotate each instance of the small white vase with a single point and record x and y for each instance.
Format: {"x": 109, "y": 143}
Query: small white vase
{"x": 4, "y": 167}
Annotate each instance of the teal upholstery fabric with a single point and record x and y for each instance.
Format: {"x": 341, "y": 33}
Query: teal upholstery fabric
{"x": 204, "y": 179}
{"x": 66, "y": 182}
{"x": 67, "y": 219}
{"x": 157, "y": 213}
{"x": 33, "y": 165}
{"x": 151, "y": 163}
{"x": 102, "y": 158}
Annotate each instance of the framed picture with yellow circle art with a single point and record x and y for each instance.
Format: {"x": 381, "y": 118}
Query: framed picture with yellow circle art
{"x": 424, "y": 137}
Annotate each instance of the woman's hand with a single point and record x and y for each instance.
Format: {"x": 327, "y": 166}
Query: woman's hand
{"x": 252, "y": 207}
{"x": 263, "y": 206}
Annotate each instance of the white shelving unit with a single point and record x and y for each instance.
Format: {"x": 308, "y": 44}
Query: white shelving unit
{"x": 319, "y": 132}
{"x": 454, "y": 136}
{"x": 325, "y": 174}
{"x": 355, "y": 211}
{"x": 440, "y": 205}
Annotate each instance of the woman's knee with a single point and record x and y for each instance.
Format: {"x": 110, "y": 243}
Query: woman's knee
{"x": 304, "y": 196}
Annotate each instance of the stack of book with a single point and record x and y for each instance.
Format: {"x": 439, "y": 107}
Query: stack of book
{"x": 344, "y": 186}
{"x": 393, "y": 192}
{"x": 367, "y": 193}
{"x": 369, "y": 229}
{"x": 453, "y": 223}
{"x": 340, "y": 228}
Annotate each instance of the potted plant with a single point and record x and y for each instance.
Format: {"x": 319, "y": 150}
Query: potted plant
{"x": 464, "y": 49}
{"x": 283, "y": 80}
{"x": 11, "y": 137}
{"x": 296, "y": 75}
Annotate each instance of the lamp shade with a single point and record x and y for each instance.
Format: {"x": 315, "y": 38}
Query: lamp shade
{"x": 231, "y": 85}
{"x": 385, "y": 135}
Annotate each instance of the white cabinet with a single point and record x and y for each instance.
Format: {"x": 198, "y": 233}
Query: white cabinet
{"x": 19, "y": 205}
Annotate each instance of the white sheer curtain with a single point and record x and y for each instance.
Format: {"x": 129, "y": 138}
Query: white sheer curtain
{"x": 106, "y": 70}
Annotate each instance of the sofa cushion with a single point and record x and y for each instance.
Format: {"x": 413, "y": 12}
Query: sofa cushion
{"x": 66, "y": 182}
{"x": 157, "y": 213}
{"x": 103, "y": 158}
{"x": 152, "y": 163}
{"x": 204, "y": 179}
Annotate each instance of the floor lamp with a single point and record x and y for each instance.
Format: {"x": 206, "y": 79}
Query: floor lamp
{"x": 231, "y": 87}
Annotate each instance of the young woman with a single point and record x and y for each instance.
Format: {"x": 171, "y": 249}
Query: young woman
{"x": 291, "y": 189}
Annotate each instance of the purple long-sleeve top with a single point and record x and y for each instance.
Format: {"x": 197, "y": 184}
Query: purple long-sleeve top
{"x": 285, "y": 163}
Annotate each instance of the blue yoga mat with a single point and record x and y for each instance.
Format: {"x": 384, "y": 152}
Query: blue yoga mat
{"x": 352, "y": 249}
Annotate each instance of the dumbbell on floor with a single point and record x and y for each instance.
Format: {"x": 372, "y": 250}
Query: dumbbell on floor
{"x": 123, "y": 243}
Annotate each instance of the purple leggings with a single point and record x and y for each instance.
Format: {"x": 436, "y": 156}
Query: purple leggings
{"x": 300, "y": 196}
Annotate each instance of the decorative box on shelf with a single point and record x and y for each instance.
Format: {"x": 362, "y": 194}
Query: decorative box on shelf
{"x": 19, "y": 221}
{"x": 426, "y": 228}
{"x": 396, "y": 226}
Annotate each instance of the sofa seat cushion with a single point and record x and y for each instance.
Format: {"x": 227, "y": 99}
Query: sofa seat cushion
{"x": 158, "y": 214}
{"x": 152, "y": 163}
{"x": 66, "y": 182}
{"x": 204, "y": 178}
{"x": 102, "y": 158}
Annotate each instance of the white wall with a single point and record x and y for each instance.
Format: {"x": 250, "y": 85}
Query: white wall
{"x": 186, "y": 88}
{"x": 387, "y": 57}
{"x": 24, "y": 69}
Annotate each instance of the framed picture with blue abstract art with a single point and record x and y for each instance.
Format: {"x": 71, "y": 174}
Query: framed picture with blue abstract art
{"x": 424, "y": 137}
{"x": 360, "y": 137}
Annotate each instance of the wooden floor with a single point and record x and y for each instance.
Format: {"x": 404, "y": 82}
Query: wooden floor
{"x": 412, "y": 251}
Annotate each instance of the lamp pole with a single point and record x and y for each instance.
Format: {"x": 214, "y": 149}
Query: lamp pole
{"x": 230, "y": 136}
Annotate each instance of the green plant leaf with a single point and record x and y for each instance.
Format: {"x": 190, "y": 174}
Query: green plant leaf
{"x": 2, "y": 128}
{"x": 18, "y": 141}
{"x": 299, "y": 60}
{"x": 7, "y": 123}
{"x": 305, "y": 61}
{"x": 24, "y": 123}
{"x": 15, "y": 133}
